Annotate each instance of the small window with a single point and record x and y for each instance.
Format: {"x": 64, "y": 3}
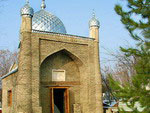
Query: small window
{"x": 9, "y": 97}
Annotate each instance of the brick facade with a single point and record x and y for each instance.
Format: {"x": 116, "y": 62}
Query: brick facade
{"x": 42, "y": 52}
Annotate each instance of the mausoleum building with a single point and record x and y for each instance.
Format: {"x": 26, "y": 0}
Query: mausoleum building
{"x": 56, "y": 72}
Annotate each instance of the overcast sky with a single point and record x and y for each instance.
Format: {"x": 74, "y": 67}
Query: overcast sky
{"x": 75, "y": 15}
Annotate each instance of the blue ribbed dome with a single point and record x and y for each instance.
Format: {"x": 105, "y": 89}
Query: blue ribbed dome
{"x": 45, "y": 21}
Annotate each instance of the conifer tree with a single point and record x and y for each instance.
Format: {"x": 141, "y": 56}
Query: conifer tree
{"x": 137, "y": 21}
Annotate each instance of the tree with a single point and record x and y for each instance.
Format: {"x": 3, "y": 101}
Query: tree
{"x": 7, "y": 58}
{"x": 138, "y": 90}
{"x": 122, "y": 69}
{"x": 139, "y": 9}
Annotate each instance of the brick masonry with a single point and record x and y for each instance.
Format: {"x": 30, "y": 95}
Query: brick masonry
{"x": 42, "y": 52}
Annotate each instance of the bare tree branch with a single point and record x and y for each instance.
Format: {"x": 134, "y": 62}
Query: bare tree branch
{"x": 7, "y": 58}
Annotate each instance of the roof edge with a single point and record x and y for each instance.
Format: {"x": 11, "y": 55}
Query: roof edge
{"x": 61, "y": 34}
{"x": 11, "y": 72}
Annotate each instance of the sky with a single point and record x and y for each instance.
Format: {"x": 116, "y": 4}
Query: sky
{"x": 75, "y": 14}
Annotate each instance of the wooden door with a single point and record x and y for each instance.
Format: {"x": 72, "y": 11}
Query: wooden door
{"x": 52, "y": 100}
{"x": 65, "y": 95}
{"x": 66, "y": 100}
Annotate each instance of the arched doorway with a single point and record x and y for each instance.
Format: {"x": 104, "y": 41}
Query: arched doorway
{"x": 57, "y": 73}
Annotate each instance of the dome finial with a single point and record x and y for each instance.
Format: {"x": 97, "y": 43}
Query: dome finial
{"x": 43, "y": 5}
{"x": 27, "y": 1}
{"x": 94, "y": 21}
{"x": 93, "y": 13}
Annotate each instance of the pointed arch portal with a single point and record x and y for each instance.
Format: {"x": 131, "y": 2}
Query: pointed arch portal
{"x": 55, "y": 98}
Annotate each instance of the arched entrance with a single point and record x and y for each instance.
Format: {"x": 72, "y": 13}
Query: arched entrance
{"x": 58, "y": 73}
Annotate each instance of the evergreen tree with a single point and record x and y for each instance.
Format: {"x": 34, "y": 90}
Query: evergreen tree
{"x": 138, "y": 90}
